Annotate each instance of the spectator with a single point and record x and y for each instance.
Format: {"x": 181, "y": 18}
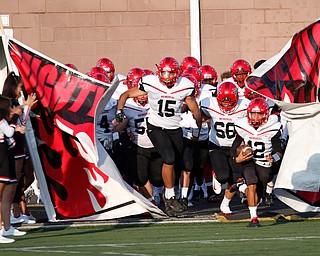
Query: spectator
{"x": 13, "y": 89}
{"x": 143, "y": 158}
{"x": 225, "y": 75}
{"x": 7, "y": 168}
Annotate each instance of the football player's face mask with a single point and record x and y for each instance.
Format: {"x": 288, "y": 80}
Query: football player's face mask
{"x": 257, "y": 112}
{"x": 240, "y": 69}
{"x": 227, "y": 97}
{"x": 240, "y": 79}
{"x": 168, "y": 71}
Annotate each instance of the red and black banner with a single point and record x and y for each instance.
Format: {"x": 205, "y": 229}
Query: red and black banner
{"x": 293, "y": 74}
{"x": 81, "y": 179}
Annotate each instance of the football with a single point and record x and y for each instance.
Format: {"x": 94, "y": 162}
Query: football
{"x": 246, "y": 150}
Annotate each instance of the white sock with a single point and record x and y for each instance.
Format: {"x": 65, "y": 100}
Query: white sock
{"x": 169, "y": 192}
{"x": 184, "y": 192}
{"x": 269, "y": 187}
{"x": 225, "y": 201}
{"x": 243, "y": 188}
{"x": 253, "y": 211}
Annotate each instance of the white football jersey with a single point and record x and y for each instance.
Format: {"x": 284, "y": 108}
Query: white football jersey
{"x": 207, "y": 90}
{"x": 121, "y": 88}
{"x": 189, "y": 126}
{"x": 166, "y": 103}
{"x": 104, "y": 126}
{"x": 222, "y": 132}
{"x": 136, "y": 115}
{"x": 259, "y": 139}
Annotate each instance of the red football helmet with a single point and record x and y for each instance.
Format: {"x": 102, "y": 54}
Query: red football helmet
{"x": 258, "y": 112}
{"x": 168, "y": 71}
{"x": 227, "y": 96}
{"x": 189, "y": 62}
{"x": 194, "y": 81}
{"x": 101, "y": 77}
{"x": 240, "y": 69}
{"x": 208, "y": 75}
{"x": 96, "y": 70}
{"x": 148, "y": 72}
{"x": 194, "y": 72}
{"x": 71, "y": 66}
{"x": 108, "y": 66}
{"x": 133, "y": 77}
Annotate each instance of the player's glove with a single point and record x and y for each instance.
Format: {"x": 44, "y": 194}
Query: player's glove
{"x": 120, "y": 116}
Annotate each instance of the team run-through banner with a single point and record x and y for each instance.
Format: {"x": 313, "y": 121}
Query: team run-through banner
{"x": 78, "y": 179}
{"x": 291, "y": 80}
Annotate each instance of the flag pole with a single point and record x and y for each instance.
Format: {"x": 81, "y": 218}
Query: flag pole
{"x": 195, "y": 37}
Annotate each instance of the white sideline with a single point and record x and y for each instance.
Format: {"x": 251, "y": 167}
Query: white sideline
{"x": 42, "y": 249}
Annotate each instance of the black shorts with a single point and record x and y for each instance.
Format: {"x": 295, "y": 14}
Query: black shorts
{"x": 148, "y": 166}
{"x": 195, "y": 154}
{"x": 223, "y": 165}
{"x": 254, "y": 173}
{"x": 168, "y": 143}
{"x": 259, "y": 175}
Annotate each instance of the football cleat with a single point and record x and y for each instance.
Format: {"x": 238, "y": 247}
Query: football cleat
{"x": 254, "y": 223}
{"x": 184, "y": 203}
{"x": 173, "y": 204}
{"x": 225, "y": 209}
{"x": 268, "y": 199}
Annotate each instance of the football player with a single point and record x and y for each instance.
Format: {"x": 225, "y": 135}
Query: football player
{"x": 240, "y": 69}
{"x": 262, "y": 133}
{"x": 108, "y": 66}
{"x": 223, "y": 111}
{"x": 144, "y": 159}
{"x": 167, "y": 93}
{"x": 187, "y": 62}
{"x": 195, "y": 149}
{"x": 209, "y": 81}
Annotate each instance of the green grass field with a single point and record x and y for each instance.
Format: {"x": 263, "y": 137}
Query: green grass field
{"x": 211, "y": 238}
